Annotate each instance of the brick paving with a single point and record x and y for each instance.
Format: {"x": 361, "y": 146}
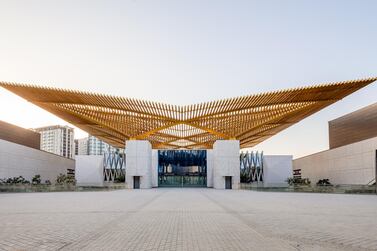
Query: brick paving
{"x": 187, "y": 219}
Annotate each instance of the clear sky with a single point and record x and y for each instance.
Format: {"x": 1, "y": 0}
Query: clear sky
{"x": 185, "y": 52}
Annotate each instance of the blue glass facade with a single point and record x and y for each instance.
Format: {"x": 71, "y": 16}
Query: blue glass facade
{"x": 182, "y": 168}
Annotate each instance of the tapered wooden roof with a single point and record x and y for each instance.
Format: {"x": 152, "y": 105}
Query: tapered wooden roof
{"x": 250, "y": 119}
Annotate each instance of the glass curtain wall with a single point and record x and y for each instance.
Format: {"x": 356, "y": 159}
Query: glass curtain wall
{"x": 182, "y": 168}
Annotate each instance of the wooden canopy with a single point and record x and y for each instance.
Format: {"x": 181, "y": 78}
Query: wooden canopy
{"x": 250, "y": 119}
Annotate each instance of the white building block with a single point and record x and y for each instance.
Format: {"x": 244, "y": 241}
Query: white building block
{"x": 139, "y": 163}
{"x": 276, "y": 170}
{"x": 226, "y": 162}
{"x": 89, "y": 170}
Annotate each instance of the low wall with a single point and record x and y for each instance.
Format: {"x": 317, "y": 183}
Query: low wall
{"x": 18, "y": 160}
{"x": 353, "y": 164}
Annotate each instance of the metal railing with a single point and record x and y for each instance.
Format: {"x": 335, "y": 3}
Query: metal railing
{"x": 372, "y": 182}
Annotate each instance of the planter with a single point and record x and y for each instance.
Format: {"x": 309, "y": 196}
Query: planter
{"x": 29, "y": 188}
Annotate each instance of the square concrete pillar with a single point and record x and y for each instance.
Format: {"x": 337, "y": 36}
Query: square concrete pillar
{"x": 210, "y": 168}
{"x": 226, "y": 163}
{"x": 139, "y": 163}
{"x": 154, "y": 168}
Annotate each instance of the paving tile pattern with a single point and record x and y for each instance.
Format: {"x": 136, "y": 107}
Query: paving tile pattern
{"x": 187, "y": 219}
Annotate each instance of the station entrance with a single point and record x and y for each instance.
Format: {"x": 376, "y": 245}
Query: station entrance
{"x": 182, "y": 168}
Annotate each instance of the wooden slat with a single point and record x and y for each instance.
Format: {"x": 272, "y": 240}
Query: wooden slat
{"x": 250, "y": 119}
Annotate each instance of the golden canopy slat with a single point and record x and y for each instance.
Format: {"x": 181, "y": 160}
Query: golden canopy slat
{"x": 250, "y": 119}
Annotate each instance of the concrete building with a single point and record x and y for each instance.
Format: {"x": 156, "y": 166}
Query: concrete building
{"x": 81, "y": 146}
{"x": 20, "y": 156}
{"x": 97, "y": 146}
{"x": 58, "y": 140}
{"x": 92, "y": 146}
{"x": 191, "y": 145}
{"x": 217, "y": 168}
{"x": 18, "y": 135}
{"x": 352, "y": 157}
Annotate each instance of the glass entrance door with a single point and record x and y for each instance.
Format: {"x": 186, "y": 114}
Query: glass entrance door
{"x": 182, "y": 181}
{"x": 182, "y": 168}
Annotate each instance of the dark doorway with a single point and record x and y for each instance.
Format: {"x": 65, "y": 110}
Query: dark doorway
{"x": 182, "y": 168}
{"x": 228, "y": 182}
{"x": 136, "y": 182}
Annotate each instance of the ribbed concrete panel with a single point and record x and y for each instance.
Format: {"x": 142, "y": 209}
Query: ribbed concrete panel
{"x": 20, "y": 135}
{"x": 353, "y": 127}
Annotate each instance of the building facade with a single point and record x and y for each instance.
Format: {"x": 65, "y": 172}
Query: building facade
{"x": 353, "y": 127}
{"x": 81, "y": 146}
{"x": 93, "y": 146}
{"x": 57, "y": 140}
{"x": 18, "y": 135}
{"x": 352, "y": 157}
{"x": 96, "y": 146}
{"x": 20, "y": 156}
{"x": 219, "y": 168}
{"x": 221, "y": 127}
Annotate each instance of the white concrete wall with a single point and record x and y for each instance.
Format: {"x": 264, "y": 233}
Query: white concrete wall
{"x": 352, "y": 164}
{"x": 210, "y": 168}
{"x": 139, "y": 163}
{"x": 226, "y": 159}
{"x": 89, "y": 170}
{"x": 154, "y": 168}
{"x": 16, "y": 160}
{"x": 276, "y": 170}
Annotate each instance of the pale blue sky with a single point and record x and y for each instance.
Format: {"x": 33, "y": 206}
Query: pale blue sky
{"x": 184, "y": 52}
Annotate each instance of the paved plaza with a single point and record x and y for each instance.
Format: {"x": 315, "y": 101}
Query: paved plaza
{"x": 187, "y": 219}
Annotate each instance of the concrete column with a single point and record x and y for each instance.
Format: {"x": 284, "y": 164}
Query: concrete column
{"x": 226, "y": 162}
{"x": 154, "y": 168}
{"x": 139, "y": 163}
{"x": 209, "y": 168}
